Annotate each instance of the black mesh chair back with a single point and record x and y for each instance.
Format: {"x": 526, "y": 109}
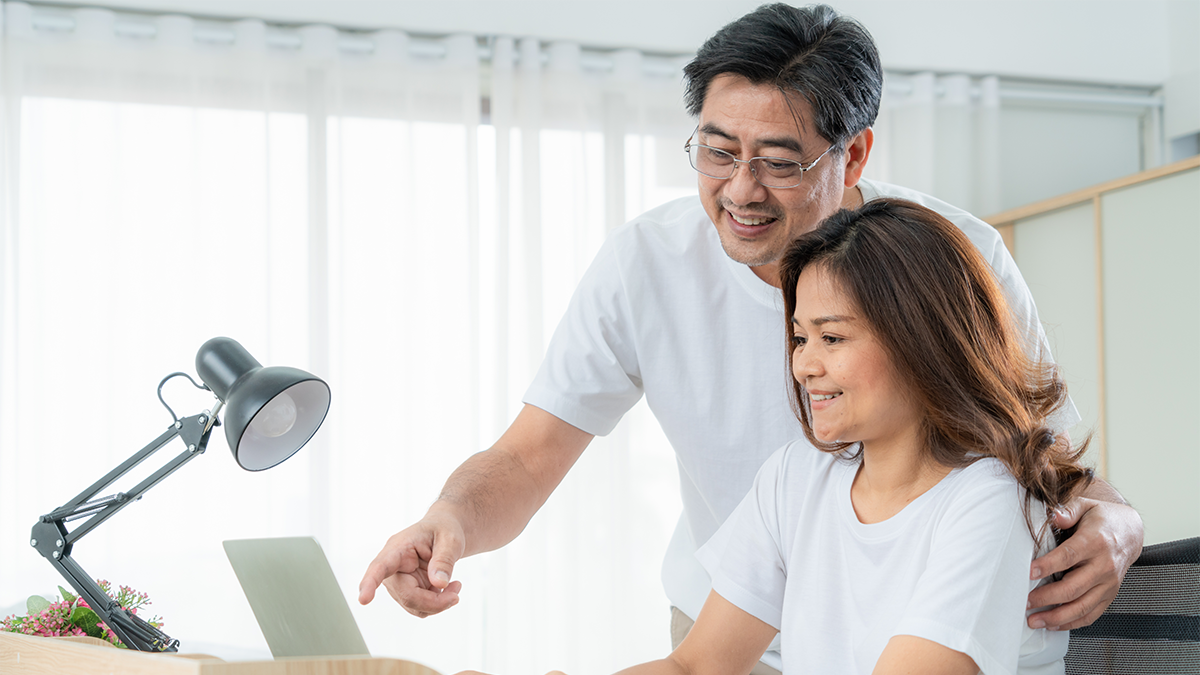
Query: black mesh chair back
{"x": 1153, "y": 625}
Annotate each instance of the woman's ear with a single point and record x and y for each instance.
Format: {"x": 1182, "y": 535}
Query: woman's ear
{"x": 856, "y": 154}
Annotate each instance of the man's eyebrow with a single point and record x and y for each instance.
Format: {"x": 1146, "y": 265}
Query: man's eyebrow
{"x": 710, "y": 129}
{"x": 785, "y": 142}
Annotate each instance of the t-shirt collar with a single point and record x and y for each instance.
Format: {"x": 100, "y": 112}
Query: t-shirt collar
{"x": 762, "y": 292}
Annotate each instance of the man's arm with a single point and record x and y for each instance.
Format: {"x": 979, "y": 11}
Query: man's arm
{"x": 485, "y": 504}
{"x": 1107, "y": 539}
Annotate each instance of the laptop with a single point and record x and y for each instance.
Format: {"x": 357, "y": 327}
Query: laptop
{"x": 295, "y": 597}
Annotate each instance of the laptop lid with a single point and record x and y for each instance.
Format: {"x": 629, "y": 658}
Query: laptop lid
{"x": 295, "y": 597}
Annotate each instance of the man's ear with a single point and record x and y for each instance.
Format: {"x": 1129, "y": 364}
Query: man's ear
{"x": 858, "y": 149}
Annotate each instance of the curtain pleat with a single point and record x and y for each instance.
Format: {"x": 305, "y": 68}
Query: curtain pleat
{"x": 379, "y": 217}
{"x": 934, "y": 134}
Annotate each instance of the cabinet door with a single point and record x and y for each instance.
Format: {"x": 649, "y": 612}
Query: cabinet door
{"x": 1151, "y": 287}
{"x": 1057, "y": 254}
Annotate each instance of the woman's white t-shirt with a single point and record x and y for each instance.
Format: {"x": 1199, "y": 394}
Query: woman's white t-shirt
{"x": 951, "y": 567}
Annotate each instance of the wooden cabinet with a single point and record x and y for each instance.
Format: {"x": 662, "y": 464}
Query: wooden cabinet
{"x": 1115, "y": 272}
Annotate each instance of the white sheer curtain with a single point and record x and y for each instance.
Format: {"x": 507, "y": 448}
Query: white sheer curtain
{"x": 934, "y": 135}
{"x": 986, "y": 144}
{"x": 344, "y": 204}
{"x": 395, "y": 215}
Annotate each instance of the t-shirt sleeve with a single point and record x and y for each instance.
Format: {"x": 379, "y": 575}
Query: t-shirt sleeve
{"x": 745, "y": 557}
{"x": 590, "y": 377}
{"x": 972, "y": 596}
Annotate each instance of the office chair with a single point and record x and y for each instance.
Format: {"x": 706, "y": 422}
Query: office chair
{"x": 1153, "y": 625}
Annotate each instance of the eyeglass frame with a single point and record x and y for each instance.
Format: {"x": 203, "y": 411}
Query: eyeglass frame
{"x": 687, "y": 148}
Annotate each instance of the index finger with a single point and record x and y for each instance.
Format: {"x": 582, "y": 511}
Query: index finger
{"x": 1062, "y": 558}
{"x": 388, "y": 562}
{"x": 370, "y": 582}
{"x": 1081, "y": 611}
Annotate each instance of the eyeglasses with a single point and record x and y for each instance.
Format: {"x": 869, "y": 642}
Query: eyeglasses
{"x": 772, "y": 172}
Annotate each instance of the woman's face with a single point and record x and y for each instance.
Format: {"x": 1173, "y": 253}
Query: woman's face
{"x": 852, "y": 387}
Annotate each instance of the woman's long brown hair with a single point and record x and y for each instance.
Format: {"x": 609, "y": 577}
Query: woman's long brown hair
{"x": 937, "y": 309}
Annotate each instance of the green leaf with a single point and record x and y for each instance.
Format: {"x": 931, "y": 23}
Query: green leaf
{"x": 66, "y": 594}
{"x": 87, "y": 621}
{"x": 36, "y": 604}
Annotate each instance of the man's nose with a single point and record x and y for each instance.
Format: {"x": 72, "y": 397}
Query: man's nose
{"x": 742, "y": 188}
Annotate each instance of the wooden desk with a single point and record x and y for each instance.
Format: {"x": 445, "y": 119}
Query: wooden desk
{"x": 26, "y": 655}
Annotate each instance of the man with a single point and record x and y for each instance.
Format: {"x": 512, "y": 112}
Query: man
{"x": 682, "y": 305}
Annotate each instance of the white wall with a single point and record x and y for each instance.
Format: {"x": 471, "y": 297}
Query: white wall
{"x": 1047, "y": 151}
{"x": 1116, "y": 41}
{"x": 1181, "y": 116}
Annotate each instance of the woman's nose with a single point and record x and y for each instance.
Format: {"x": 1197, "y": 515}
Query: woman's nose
{"x": 805, "y": 364}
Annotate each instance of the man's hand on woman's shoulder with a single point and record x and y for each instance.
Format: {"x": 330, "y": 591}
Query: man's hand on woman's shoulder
{"x": 1107, "y": 540}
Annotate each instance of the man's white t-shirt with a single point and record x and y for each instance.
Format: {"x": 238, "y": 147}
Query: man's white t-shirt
{"x": 663, "y": 312}
{"x": 951, "y": 567}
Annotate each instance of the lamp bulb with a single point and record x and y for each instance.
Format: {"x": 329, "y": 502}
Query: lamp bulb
{"x": 276, "y": 417}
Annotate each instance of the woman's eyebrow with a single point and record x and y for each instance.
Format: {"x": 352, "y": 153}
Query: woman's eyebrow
{"x": 821, "y": 320}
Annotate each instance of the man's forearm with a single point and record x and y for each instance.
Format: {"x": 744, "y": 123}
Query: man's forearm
{"x": 492, "y": 497}
{"x": 495, "y": 493}
{"x": 1101, "y": 491}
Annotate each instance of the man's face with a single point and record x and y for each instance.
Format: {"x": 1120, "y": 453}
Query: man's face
{"x": 757, "y": 223}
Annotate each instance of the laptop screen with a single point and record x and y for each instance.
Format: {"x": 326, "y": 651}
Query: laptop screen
{"x": 295, "y": 597}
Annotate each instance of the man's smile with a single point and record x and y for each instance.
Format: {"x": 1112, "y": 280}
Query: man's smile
{"x": 751, "y": 220}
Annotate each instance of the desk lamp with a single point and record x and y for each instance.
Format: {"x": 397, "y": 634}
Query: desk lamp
{"x": 270, "y": 413}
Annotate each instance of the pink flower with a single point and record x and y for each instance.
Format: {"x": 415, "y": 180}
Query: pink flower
{"x": 55, "y": 618}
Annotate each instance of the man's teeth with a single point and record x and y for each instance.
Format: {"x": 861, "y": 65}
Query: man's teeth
{"x": 751, "y": 221}
{"x": 823, "y": 397}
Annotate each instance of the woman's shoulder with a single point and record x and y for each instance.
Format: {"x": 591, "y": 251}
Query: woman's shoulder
{"x": 985, "y": 480}
{"x": 799, "y": 462}
{"x": 985, "y": 472}
{"x": 988, "y": 470}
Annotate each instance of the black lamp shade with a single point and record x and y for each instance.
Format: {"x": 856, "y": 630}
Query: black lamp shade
{"x": 270, "y": 413}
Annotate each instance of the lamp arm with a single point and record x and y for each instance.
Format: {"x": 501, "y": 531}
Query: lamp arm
{"x": 194, "y": 431}
{"x": 80, "y": 501}
{"x": 54, "y": 541}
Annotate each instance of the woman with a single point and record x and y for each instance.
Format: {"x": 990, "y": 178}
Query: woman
{"x": 905, "y": 545}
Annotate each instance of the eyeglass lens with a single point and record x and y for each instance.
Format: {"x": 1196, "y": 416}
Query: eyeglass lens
{"x": 771, "y": 172}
